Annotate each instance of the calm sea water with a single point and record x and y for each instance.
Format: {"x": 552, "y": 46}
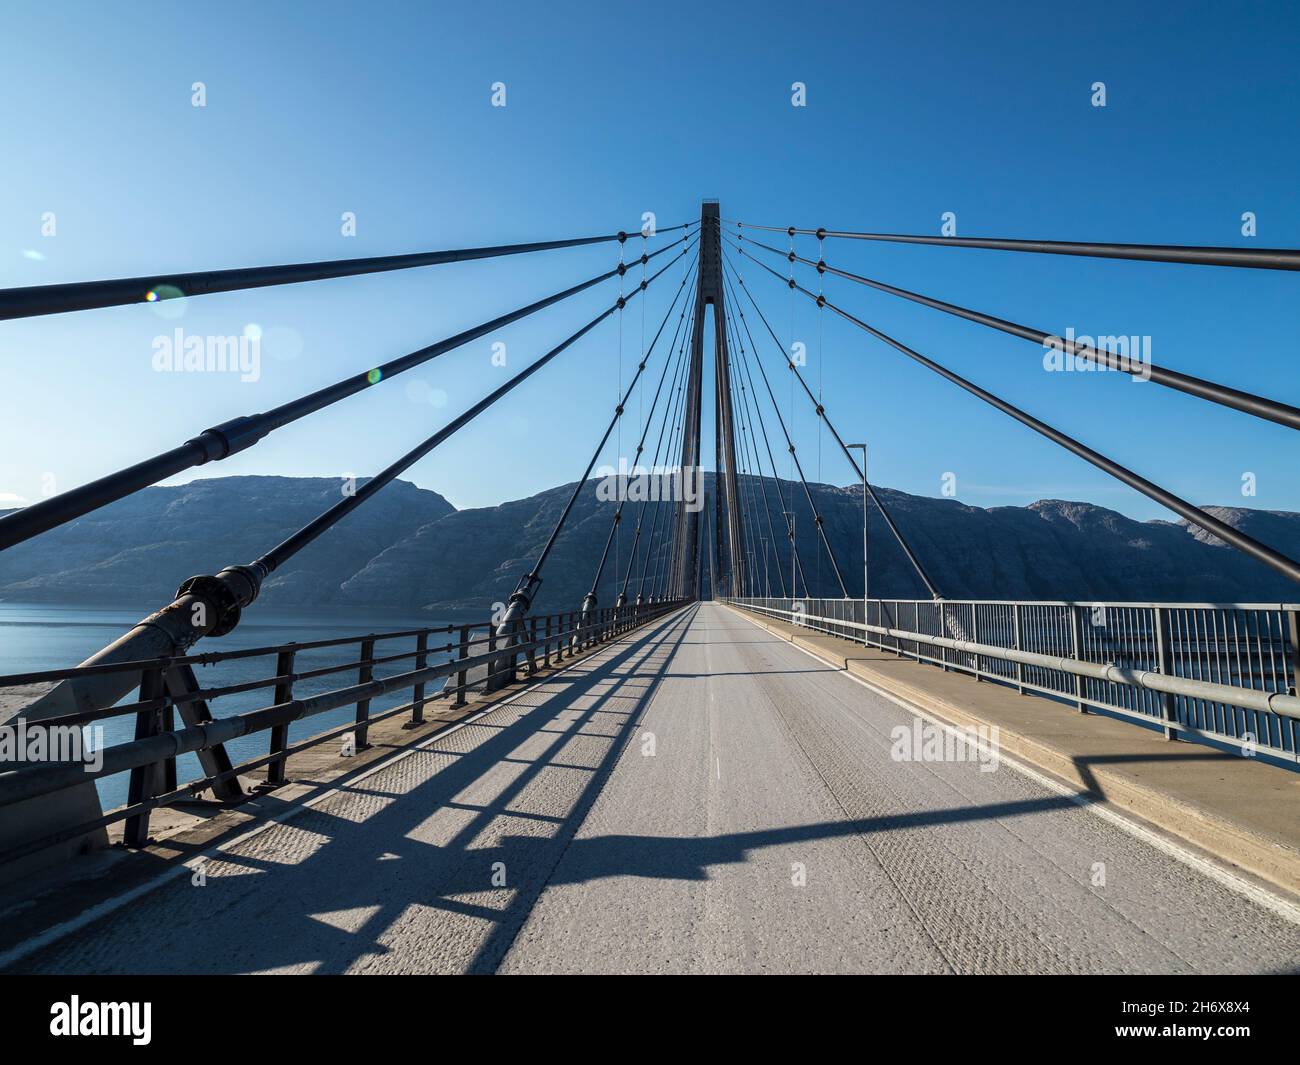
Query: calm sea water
{"x": 35, "y": 636}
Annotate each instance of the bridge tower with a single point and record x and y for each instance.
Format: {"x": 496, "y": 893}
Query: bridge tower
{"x": 729, "y": 544}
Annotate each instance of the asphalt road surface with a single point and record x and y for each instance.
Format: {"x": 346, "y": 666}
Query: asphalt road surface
{"x": 700, "y": 797}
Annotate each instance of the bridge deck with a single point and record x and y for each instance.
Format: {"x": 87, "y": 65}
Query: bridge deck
{"x": 765, "y": 763}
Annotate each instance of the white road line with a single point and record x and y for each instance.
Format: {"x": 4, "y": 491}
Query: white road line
{"x": 102, "y": 909}
{"x": 1212, "y": 868}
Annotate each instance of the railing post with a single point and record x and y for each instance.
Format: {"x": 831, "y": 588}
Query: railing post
{"x": 417, "y": 696}
{"x": 1076, "y": 648}
{"x": 943, "y": 631}
{"x": 144, "y": 782}
{"x": 284, "y": 662}
{"x": 462, "y": 677}
{"x": 168, "y": 782}
{"x": 975, "y": 638}
{"x": 1020, "y": 668}
{"x": 365, "y": 674}
{"x": 546, "y": 645}
{"x": 532, "y": 646}
{"x": 491, "y": 650}
{"x": 1165, "y": 665}
{"x": 1294, "y": 618}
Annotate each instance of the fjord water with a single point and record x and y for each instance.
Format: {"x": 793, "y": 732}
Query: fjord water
{"x": 37, "y": 636}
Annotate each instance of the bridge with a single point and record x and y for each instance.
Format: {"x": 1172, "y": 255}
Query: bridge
{"x": 682, "y": 772}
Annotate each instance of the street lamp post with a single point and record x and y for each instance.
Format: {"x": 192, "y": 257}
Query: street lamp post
{"x": 864, "y": 530}
{"x": 794, "y": 588}
{"x": 767, "y": 582}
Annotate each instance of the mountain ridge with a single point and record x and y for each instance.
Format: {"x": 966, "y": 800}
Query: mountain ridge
{"x": 409, "y": 548}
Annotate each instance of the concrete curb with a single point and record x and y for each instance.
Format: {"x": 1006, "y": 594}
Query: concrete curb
{"x": 1205, "y": 828}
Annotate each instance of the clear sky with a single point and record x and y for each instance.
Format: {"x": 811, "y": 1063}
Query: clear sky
{"x": 913, "y": 110}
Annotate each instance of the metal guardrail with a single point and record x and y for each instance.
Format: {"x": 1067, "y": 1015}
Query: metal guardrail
{"x": 1226, "y": 672}
{"x": 169, "y": 685}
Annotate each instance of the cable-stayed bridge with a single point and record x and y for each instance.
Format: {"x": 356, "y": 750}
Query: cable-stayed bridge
{"x": 695, "y": 774}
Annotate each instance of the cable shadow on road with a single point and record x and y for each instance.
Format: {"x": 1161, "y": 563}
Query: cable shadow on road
{"x": 690, "y": 857}
{"x": 329, "y": 890}
{"x": 459, "y": 869}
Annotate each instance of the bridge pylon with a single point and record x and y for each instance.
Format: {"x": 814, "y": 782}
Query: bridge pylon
{"x": 729, "y": 535}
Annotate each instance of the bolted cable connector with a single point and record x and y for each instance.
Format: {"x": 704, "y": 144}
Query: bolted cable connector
{"x": 790, "y": 230}
{"x": 622, "y": 237}
{"x": 821, "y": 232}
{"x": 821, "y": 266}
{"x": 621, "y": 303}
{"x": 821, "y": 301}
{"x": 790, "y": 282}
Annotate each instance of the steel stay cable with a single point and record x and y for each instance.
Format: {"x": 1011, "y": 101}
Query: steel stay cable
{"x": 663, "y": 561}
{"x": 238, "y": 434}
{"x": 1199, "y": 255}
{"x": 532, "y": 577}
{"x": 35, "y": 300}
{"x": 776, "y": 480}
{"x": 636, "y": 538}
{"x": 768, "y": 444}
{"x": 1194, "y": 515}
{"x": 766, "y": 441}
{"x": 285, "y": 550}
{"x": 758, "y": 464}
{"x": 646, "y": 421}
{"x": 821, "y": 413}
{"x": 748, "y": 509}
{"x": 674, "y": 406}
{"x": 669, "y": 402}
{"x": 1247, "y": 402}
{"x": 664, "y": 550}
{"x": 817, "y": 518}
{"x": 640, "y": 521}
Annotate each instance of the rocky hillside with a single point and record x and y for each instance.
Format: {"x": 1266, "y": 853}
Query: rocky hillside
{"x": 410, "y": 549}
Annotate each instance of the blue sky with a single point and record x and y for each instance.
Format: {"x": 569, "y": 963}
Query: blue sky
{"x": 912, "y": 111}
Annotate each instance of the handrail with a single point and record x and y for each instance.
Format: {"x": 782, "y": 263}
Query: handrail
{"x": 33, "y": 781}
{"x": 1278, "y": 703}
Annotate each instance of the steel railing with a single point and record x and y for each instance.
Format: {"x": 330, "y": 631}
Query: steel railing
{"x": 1225, "y": 672}
{"x": 462, "y": 656}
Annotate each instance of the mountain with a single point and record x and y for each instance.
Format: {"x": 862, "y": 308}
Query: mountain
{"x": 411, "y": 549}
{"x": 139, "y": 549}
